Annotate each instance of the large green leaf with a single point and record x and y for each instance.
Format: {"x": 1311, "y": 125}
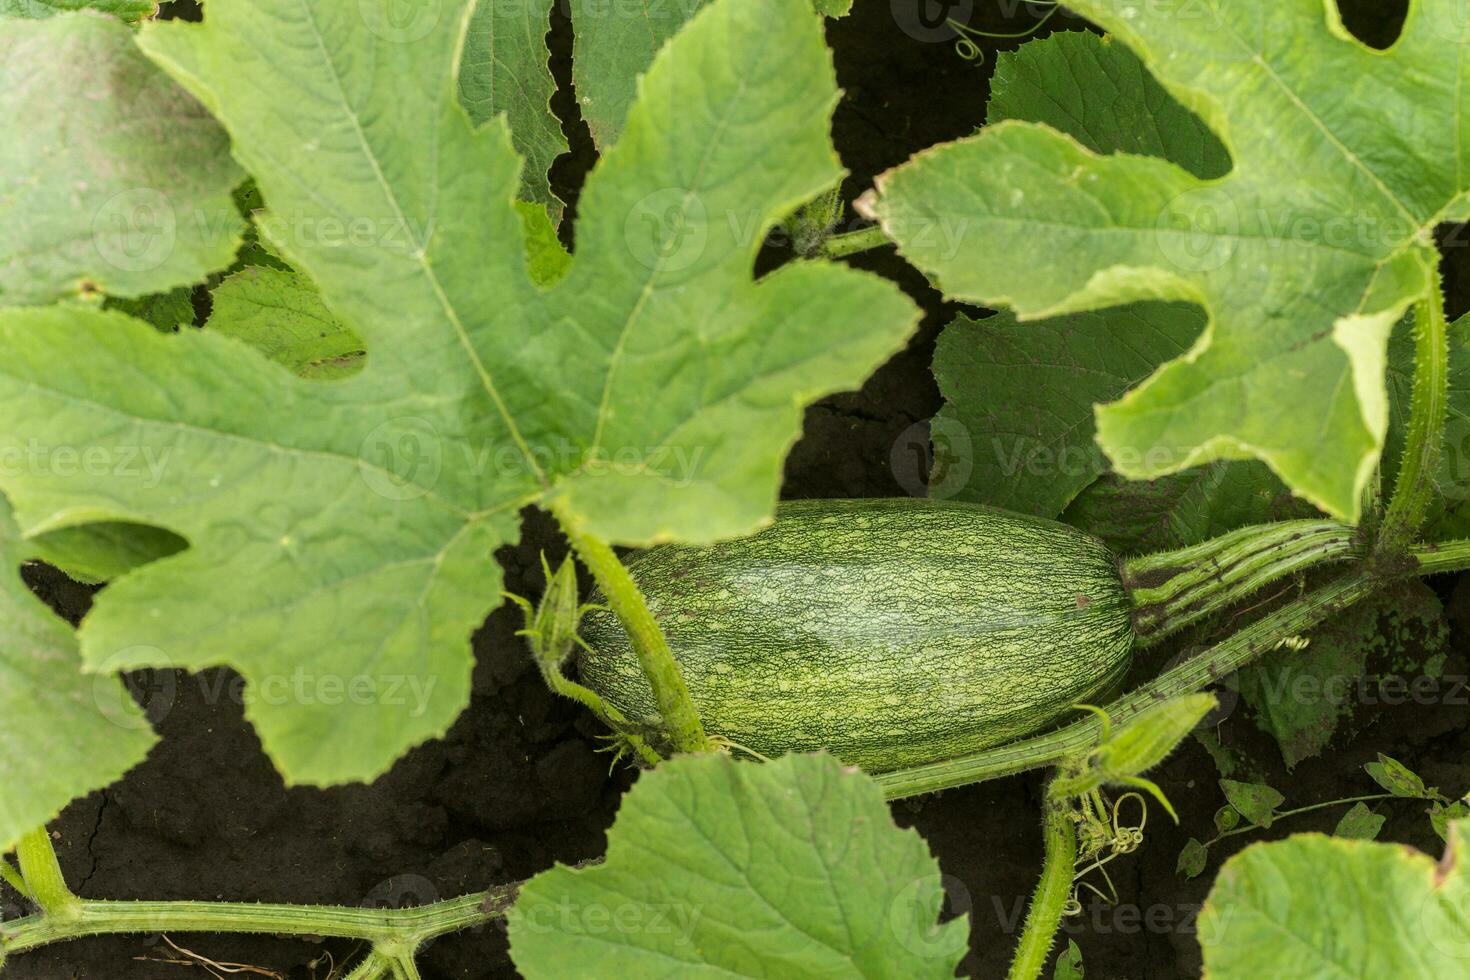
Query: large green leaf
{"x": 718, "y": 868}
{"x": 281, "y": 314}
{"x": 112, "y": 178}
{"x": 62, "y": 733}
{"x": 614, "y": 43}
{"x": 130, "y": 10}
{"x": 1018, "y": 428}
{"x": 1314, "y": 907}
{"x": 342, "y": 533}
{"x": 1303, "y": 255}
{"x": 504, "y": 69}
{"x": 1098, "y": 92}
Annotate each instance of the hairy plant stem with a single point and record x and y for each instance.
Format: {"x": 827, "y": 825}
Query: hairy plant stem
{"x": 1414, "y": 489}
{"x": 606, "y": 713}
{"x": 42, "y": 873}
{"x": 1174, "y": 589}
{"x": 11, "y": 877}
{"x": 853, "y": 242}
{"x": 1079, "y": 738}
{"x": 1045, "y": 915}
{"x": 375, "y": 966}
{"x": 1446, "y": 556}
{"x": 396, "y": 932}
{"x": 680, "y": 717}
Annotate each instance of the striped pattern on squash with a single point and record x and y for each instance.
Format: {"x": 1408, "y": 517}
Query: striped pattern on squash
{"x": 891, "y": 632}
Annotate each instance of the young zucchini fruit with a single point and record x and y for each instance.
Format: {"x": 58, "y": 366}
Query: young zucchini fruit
{"x": 891, "y": 632}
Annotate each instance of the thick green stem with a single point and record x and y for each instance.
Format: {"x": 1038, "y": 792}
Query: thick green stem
{"x": 1175, "y": 589}
{"x": 1052, "y": 891}
{"x": 1414, "y": 490}
{"x": 853, "y": 242}
{"x": 1447, "y": 556}
{"x": 374, "y": 967}
{"x": 686, "y": 731}
{"x": 393, "y": 929}
{"x": 404, "y": 967}
{"x": 1195, "y": 674}
{"x": 42, "y": 873}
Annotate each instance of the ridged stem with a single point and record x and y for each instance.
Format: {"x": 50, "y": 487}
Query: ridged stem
{"x": 1172, "y": 590}
{"x": 375, "y": 966}
{"x": 1226, "y": 657}
{"x": 1050, "y": 899}
{"x": 1414, "y": 489}
{"x": 396, "y": 929}
{"x": 681, "y": 718}
{"x": 42, "y": 873}
{"x": 1446, "y": 556}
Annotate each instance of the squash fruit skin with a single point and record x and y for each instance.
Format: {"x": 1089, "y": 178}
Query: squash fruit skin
{"x": 892, "y": 632}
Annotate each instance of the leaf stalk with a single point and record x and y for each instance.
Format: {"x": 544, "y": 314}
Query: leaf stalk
{"x": 1052, "y": 891}
{"x": 1175, "y": 589}
{"x": 1415, "y": 488}
{"x": 681, "y": 718}
{"x": 42, "y": 873}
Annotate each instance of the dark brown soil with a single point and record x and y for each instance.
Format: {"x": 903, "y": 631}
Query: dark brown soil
{"x": 519, "y": 784}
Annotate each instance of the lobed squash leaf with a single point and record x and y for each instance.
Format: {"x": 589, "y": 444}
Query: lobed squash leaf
{"x": 1343, "y": 161}
{"x": 119, "y": 182}
{"x": 650, "y": 391}
{"x": 1017, "y": 429}
{"x": 128, "y": 10}
{"x": 718, "y": 868}
{"x": 63, "y": 733}
{"x": 1313, "y": 907}
{"x": 615, "y": 41}
{"x": 504, "y": 69}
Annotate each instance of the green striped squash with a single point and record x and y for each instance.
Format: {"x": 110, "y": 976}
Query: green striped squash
{"x": 891, "y": 632}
